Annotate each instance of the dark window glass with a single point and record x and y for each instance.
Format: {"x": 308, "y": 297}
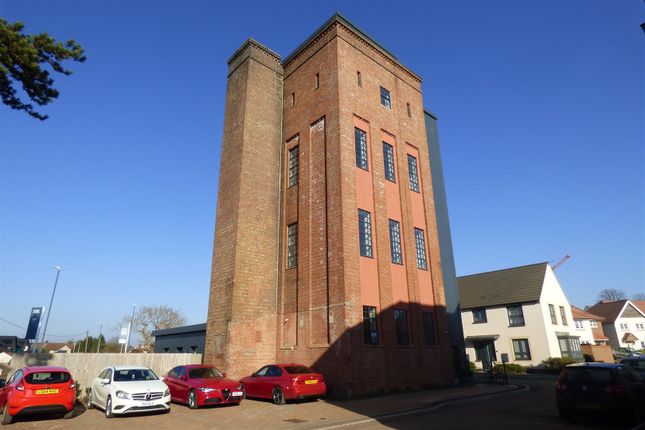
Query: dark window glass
{"x": 388, "y": 162}
{"x": 409, "y": 110}
{"x": 563, "y": 315}
{"x": 395, "y": 242}
{"x": 365, "y": 232}
{"x": 521, "y": 348}
{"x": 47, "y": 377}
{"x": 359, "y": 81}
{"x": 479, "y": 316}
{"x": 370, "y": 329}
{"x": 293, "y": 99}
{"x": 554, "y": 318}
{"x": 298, "y": 370}
{"x": 126, "y": 375}
{"x": 292, "y": 246}
{"x": 515, "y": 315}
{"x": 419, "y": 238}
{"x": 428, "y": 329}
{"x": 360, "y": 142}
{"x": 274, "y": 371}
{"x": 293, "y": 166}
{"x": 587, "y": 375}
{"x": 204, "y": 373}
{"x": 385, "y": 98}
{"x": 317, "y": 80}
{"x": 414, "y": 173}
{"x": 401, "y": 320}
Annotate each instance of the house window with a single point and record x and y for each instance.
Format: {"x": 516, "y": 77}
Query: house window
{"x": 401, "y": 320}
{"x": 388, "y": 161}
{"x": 640, "y": 326}
{"x": 479, "y": 316}
{"x": 579, "y": 324}
{"x": 419, "y": 239}
{"x": 593, "y": 324}
{"x": 554, "y": 319}
{"x": 385, "y": 98}
{"x": 293, "y": 166}
{"x": 370, "y": 328}
{"x": 515, "y": 315}
{"x": 359, "y": 81}
{"x": 413, "y": 173}
{"x": 521, "y": 349}
{"x": 365, "y": 232}
{"x": 409, "y": 110}
{"x": 429, "y": 336}
{"x": 292, "y": 245}
{"x": 360, "y": 142}
{"x": 570, "y": 347}
{"x": 395, "y": 242}
{"x": 563, "y": 315}
{"x": 624, "y": 326}
{"x": 317, "y": 82}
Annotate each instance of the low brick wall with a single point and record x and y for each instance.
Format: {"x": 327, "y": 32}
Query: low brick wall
{"x": 600, "y": 353}
{"x": 85, "y": 367}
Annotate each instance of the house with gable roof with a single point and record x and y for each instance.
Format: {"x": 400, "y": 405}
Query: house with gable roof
{"x": 624, "y": 322}
{"x": 589, "y": 327}
{"x": 520, "y": 311}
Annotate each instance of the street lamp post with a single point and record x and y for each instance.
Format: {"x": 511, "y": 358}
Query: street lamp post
{"x": 127, "y": 342}
{"x": 98, "y": 348}
{"x": 49, "y": 310}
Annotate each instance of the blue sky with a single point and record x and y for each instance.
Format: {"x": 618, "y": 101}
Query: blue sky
{"x": 540, "y": 106}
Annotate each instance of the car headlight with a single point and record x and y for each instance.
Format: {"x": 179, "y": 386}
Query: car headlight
{"x": 122, "y": 395}
{"x": 167, "y": 392}
{"x": 207, "y": 390}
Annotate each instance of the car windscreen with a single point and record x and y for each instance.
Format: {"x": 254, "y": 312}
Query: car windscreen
{"x": 586, "y": 375}
{"x": 204, "y": 372}
{"x": 48, "y": 377}
{"x": 636, "y": 364}
{"x": 124, "y": 375}
{"x": 295, "y": 370}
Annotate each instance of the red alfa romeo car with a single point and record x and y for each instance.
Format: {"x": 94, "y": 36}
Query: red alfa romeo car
{"x": 282, "y": 382}
{"x": 198, "y": 385}
{"x": 37, "y": 389}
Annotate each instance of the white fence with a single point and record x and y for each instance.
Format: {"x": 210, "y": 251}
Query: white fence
{"x": 85, "y": 367}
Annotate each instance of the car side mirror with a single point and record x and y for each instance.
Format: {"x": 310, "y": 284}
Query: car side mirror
{"x": 105, "y": 381}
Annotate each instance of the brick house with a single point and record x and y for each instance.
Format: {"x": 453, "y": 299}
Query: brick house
{"x": 327, "y": 248}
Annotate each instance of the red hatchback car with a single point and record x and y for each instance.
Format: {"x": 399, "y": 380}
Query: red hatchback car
{"x": 282, "y": 382}
{"x": 37, "y": 389}
{"x": 198, "y": 385}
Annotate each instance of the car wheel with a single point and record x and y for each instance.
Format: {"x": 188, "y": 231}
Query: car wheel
{"x": 278, "y": 396}
{"x": 565, "y": 414}
{"x": 69, "y": 414}
{"x": 243, "y": 392}
{"x": 192, "y": 400}
{"x": 89, "y": 404}
{"x": 108, "y": 408}
{"x": 6, "y": 418}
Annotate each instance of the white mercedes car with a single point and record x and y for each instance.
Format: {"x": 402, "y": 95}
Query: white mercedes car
{"x": 128, "y": 389}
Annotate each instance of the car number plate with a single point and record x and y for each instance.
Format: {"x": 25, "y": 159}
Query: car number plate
{"x": 237, "y": 393}
{"x": 147, "y": 403}
{"x": 311, "y": 381}
{"x": 47, "y": 391}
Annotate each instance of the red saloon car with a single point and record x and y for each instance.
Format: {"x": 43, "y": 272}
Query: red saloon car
{"x": 198, "y": 385}
{"x": 282, "y": 382}
{"x": 37, "y": 389}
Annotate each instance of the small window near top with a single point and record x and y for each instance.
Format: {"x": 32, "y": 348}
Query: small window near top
{"x": 293, "y": 99}
{"x": 317, "y": 80}
{"x": 593, "y": 324}
{"x": 578, "y": 324}
{"x": 359, "y": 81}
{"x": 409, "y": 110}
{"x": 385, "y": 98}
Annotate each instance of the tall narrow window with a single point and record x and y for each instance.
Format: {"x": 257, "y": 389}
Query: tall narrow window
{"x": 370, "y": 328}
{"x": 563, "y": 316}
{"x": 401, "y": 320}
{"x": 292, "y": 246}
{"x": 395, "y": 242}
{"x": 385, "y": 98}
{"x": 293, "y": 99}
{"x": 413, "y": 172}
{"x": 554, "y": 318}
{"x": 365, "y": 232}
{"x": 359, "y": 81}
{"x": 360, "y": 142}
{"x": 420, "y": 240}
{"x": 388, "y": 161}
{"x": 293, "y": 166}
{"x": 428, "y": 329}
{"x": 317, "y": 83}
{"x": 515, "y": 315}
{"x": 409, "y": 110}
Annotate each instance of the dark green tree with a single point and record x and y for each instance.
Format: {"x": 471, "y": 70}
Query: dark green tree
{"x": 23, "y": 58}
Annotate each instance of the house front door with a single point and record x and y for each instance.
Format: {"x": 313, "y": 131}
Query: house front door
{"x": 485, "y": 352}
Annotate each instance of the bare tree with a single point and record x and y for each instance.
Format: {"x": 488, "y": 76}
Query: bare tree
{"x": 150, "y": 318}
{"x": 612, "y": 294}
{"x": 639, "y": 297}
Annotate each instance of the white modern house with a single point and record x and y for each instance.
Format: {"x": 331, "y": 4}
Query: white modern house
{"x": 589, "y": 327}
{"x": 624, "y": 322}
{"x": 521, "y": 311}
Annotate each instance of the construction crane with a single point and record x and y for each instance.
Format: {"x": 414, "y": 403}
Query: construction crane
{"x": 560, "y": 262}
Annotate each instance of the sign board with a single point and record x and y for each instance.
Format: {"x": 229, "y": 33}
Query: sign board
{"x": 34, "y": 322}
{"x": 123, "y": 337}
{"x": 504, "y": 358}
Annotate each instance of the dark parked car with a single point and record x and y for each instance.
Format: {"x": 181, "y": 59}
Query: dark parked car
{"x": 602, "y": 389}
{"x": 636, "y": 362}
